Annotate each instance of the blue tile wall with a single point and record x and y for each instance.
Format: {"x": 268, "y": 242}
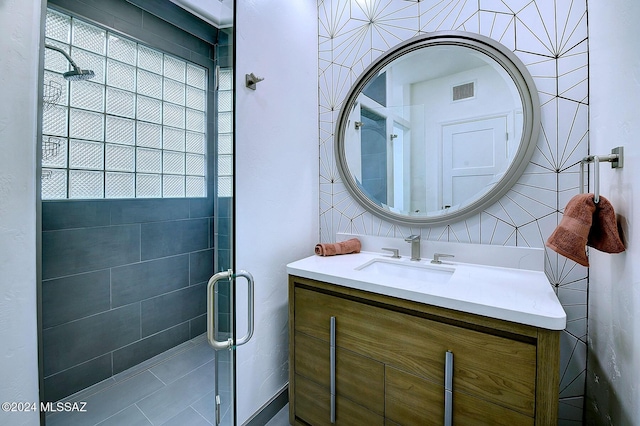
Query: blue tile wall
{"x": 148, "y": 347}
{"x": 68, "y": 252}
{"x": 153, "y": 278}
{"x": 162, "y": 312}
{"x": 78, "y": 341}
{"x": 201, "y": 266}
{"x": 145, "y": 211}
{"x": 91, "y": 295}
{"x": 123, "y": 284}
{"x": 160, "y": 239}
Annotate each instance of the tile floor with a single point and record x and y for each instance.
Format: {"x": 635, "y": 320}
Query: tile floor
{"x": 173, "y": 388}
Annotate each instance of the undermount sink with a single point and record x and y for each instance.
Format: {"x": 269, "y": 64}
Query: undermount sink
{"x": 412, "y": 271}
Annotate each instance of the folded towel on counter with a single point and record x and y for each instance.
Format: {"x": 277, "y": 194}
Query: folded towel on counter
{"x": 345, "y": 247}
{"x": 586, "y": 223}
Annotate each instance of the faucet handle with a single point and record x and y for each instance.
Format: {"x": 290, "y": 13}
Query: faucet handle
{"x": 437, "y": 256}
{"x": 395, "y": 252}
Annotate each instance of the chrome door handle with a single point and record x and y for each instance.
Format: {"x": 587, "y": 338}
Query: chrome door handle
{"x": 212, "y": 317}
{"x": 250, "y": 304}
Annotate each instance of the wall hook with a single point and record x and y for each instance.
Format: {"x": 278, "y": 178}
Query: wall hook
{"x": 251, "y": 80}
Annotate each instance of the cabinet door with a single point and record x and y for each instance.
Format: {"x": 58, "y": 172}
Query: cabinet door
{"x": 498, "y": 369}
{"x": 411, "y": 400}
{"x": 313, "y": 406}
{"x": 358, "y": 379}
{"x": 415, "y": 401}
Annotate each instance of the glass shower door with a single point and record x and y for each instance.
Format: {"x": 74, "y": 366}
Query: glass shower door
{"x": 221, "y": 294}
{"x": 222, "y": 337}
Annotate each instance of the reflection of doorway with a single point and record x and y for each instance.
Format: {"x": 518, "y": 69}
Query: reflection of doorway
{"x": 374, "y": 155}
{"x": 474, "y": 154}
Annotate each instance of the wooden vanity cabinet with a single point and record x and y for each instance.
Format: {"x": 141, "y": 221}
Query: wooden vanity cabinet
{"x": 390, "y": 357}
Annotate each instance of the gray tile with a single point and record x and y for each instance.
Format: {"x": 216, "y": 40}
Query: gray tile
{"x": 139, "y": 281}
{"x": 198, "y": 326}
{"x": 130, "y": 416}
{"x": 173, "y": 398}
{"x": 111, "y": 401}
{"x": 75, "y": 251}
{"x": 67, "y": 345}
{"x": 181, "y": 365}
{"x": 173, "y": 308}
{"x": 201, "y": 207}
{"x": 73, "y": 297}
{"x": 72, "y": 380}
{"x": 201, "y": 266}
{"x": 206, "y": 406}
{"x": 145, "y": 365}
{"x": 88, "y": 391}
{"x": 144, "y": 349}
{"x": 225, "y": 207}
{"x": 281, "y": 418}
{"x": 175, "y": 237}
{"x": 144, "y": 211}
{"x": 69, "y": 214}
{"x": 187, "y": 417}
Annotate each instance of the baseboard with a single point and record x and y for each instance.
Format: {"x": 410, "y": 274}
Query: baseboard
{"x": 270, "y": 409}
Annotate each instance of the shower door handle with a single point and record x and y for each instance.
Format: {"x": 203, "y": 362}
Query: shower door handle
{"x": 211, "y": 314}
{"x": 250, "y": 304}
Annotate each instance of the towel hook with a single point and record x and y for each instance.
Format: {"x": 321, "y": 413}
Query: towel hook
{"x": 616, "y": 160}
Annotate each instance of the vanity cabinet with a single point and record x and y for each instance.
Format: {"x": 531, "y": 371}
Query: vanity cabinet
{"x": 390, "y": 360}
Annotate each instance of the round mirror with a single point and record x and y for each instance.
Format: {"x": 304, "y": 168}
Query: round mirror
{"x": 439, "y": 128}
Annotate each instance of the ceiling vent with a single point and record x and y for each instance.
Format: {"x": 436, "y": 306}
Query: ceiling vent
{"x": 464, "y": 91}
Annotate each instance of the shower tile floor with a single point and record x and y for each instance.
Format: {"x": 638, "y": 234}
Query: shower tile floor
{"x": 173, "y": 388}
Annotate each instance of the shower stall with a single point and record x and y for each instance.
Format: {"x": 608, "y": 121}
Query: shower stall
{"x": 137, "y": 211}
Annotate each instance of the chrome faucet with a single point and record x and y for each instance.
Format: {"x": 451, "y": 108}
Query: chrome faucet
{"x": 415, "y": 246}
{"x": 437, "y": 256}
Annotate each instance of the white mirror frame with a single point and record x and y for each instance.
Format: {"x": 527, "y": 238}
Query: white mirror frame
{"x": 530, "y": 131}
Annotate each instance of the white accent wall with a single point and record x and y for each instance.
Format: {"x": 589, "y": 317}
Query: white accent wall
{"x": 276, "y": 179}
{"x": 551, "y": 39}
{"x": 19, "y": 63}
{"x": 613, "y": 381}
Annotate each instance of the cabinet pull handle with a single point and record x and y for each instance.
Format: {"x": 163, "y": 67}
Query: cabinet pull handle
{"x": 332, "y": 368}
{"x": 448, "y": 389}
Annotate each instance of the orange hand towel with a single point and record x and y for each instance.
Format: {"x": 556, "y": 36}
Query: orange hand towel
{"x": 604, "y": 234}
{"x": 345, "y": 247}
{"x": 585, "y": 222}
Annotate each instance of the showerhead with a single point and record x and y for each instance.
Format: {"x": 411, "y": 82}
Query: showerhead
{"x": 77, "y": 75}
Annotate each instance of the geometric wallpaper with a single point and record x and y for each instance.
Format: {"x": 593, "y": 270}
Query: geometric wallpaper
{"x": 550, "y": 38}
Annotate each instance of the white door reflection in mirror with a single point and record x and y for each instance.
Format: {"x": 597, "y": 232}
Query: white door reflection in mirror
{"x": 474, "y": 157}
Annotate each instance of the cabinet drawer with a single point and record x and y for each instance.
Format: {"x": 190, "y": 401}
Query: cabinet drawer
{"x": 491, "y": 367}
{"x": 313, "y": 406}
{"x": 358, "y": 379}
{"x": 415, "y": 401}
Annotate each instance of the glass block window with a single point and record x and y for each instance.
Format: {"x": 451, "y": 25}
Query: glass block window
{"x": 225, "y": 134}
{"x": 136, "y": 130}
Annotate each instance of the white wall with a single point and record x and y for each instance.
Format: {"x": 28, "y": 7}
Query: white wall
{"x": 613, "y": 382}
{"x": 19, "y": 47}
{"x": 276, "y": 178}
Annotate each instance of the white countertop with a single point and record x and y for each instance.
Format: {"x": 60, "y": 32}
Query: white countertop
{"x": 517, "y": 295}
